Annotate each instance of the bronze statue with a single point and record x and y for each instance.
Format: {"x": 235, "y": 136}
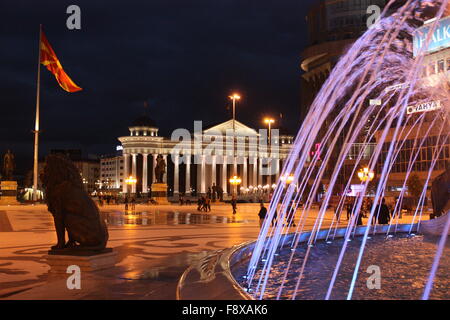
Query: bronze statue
{"x": 71, "y": 206}
{"x": 160, "y": 169}
{"x": 8, "y": 165}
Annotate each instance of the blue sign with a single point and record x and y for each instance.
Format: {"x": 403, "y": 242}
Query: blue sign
{"x": 440, "y": 38}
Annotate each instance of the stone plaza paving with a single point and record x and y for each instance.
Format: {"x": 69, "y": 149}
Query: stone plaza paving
{"x": 152, "y": 253}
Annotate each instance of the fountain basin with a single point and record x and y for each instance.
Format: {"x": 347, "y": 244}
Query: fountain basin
{"x": 220, "y": 275}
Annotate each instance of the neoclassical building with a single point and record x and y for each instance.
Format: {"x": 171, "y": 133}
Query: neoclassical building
{"x": 203, "y": 158}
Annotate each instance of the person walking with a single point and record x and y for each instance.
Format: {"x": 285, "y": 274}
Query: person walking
{"x": 126, "y": 203}
{"x": 208, "y": 204}
{"x": 133, "y": 204}
{"x": 383, "y": 212}
{"x": 262, "y": 215}
{"x": 290, "y": 217}
{"x": 234, "y": 203}
{"x": 274, "y": 218}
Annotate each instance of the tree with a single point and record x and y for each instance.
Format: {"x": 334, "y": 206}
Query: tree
{"x": 415, "y": 187}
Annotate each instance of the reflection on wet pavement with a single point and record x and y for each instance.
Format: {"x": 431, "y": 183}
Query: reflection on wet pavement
{"x": 164, "y": 218}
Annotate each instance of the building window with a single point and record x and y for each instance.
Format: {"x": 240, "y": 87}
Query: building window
{"x": 432, "y": 68}
{"x": 441, "y": 66}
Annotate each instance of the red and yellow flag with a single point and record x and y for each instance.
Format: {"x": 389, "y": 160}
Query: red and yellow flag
{"x": 50, "y": 60}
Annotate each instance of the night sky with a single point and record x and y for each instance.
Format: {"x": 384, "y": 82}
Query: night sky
{"x": 182, "y": 56}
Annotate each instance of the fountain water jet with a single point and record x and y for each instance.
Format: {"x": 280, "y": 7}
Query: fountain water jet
{"x": 381, "y": 58}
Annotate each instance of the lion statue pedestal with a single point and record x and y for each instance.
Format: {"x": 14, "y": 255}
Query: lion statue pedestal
{"x": 9, "y": 193}
{"x": 159, "y": 193}
{"x": 77, "y": 214}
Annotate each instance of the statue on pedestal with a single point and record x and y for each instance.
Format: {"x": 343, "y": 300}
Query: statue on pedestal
{"x": 160, "y": 169}
{"x": 72, "y": 208}
{"x": 8, "y": 165}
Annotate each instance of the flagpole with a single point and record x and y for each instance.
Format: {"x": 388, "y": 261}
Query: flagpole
{"x": 36, "y": 126}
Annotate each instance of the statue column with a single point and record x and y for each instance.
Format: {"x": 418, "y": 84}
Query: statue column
{"x": 255, "y": 172}
{"x": 144, "y": 173}
{"x": 126, "y": 160}
{"x": 244, "y": 178}
{"x": 224, "y": 174}
{"x": 133, "y": 172}
{"x": 188, "y": 174}
{"x": 165, "y": 174}
{"x": 260, "y": 168}
{"x": 176, "y": 171}
{"x": 153, "y": 170}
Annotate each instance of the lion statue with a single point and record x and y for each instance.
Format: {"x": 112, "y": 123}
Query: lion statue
{"x": 71, "y": 206}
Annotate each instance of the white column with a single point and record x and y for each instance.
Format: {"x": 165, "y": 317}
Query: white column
{"x": 188, "y": 174}
{"x": 260, "y": 167}
{"x": 175, "y": 173}
{"x": 153, "y": 169}
{"x": 165, "y": 174}
{"x": 133, "y": 172}
{"x": 126, "y": 160}
{"x": 255, "y": 172}
{"x": 145, "y": 173}
{"x": 244, "y": 178}
{"x": 213, "y": 170}
{"x": 224, "y": 175}
{"x": 203, "y": 175}
{"x": 278, "y": 169}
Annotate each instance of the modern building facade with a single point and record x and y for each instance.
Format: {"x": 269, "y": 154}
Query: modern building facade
{"x": 333, "y": 25}
{"x": 112, "y": 173}
{"x": 435, "y": 148}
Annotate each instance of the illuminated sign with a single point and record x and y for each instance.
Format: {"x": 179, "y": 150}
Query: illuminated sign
{"x": 424, "y": 107}
{"x": 119, "y": 148}
{"x": 440, "y": 38}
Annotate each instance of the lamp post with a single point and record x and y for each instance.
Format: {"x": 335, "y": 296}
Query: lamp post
{"x": 269, "y": 122}
{"x": 365, "y": 174}
{"x": 235, "y": 181}
{"x": 130, "y": 181}
{"x": 234, "y": 97}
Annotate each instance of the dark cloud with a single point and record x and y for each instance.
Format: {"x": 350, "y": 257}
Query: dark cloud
{"x": 184, "y": 57}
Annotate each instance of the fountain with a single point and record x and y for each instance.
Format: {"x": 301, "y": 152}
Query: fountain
{"x": 375, "y": 98}
{"x": 380, "y": 67}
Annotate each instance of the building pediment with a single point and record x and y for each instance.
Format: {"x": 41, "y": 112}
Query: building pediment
{"x": 222, "y": 128}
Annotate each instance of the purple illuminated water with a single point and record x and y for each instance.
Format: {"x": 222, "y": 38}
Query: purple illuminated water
{"x": 404, "y": 263}
{"x": 342, "y": 115}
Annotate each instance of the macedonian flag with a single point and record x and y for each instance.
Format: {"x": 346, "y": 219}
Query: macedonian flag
{"x": 50, "y": 60}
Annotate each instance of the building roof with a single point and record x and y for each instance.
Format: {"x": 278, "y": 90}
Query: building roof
{"x": 144, "y": 121}
{"x": 241, "y": 129}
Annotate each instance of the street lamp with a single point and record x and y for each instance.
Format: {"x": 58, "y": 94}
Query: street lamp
{"x": 235, "y": 181}
{"x": 234, "y": 97}
{"x": 269, "y": 122}
{"x": 288, "y": 178}
{"x": 365, "y": 174}
{"x": 130, "y": 181}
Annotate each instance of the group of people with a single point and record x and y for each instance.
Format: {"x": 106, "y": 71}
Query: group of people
{"x": 382, "y": 213}
{"x": 108, "y": 199}
{"x": 290, "y": 215}
{"x": 204, "y": 204}
{"x": 130, "y": 204}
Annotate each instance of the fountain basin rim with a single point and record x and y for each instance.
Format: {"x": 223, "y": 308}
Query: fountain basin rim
{"x": 211, "y": 278}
